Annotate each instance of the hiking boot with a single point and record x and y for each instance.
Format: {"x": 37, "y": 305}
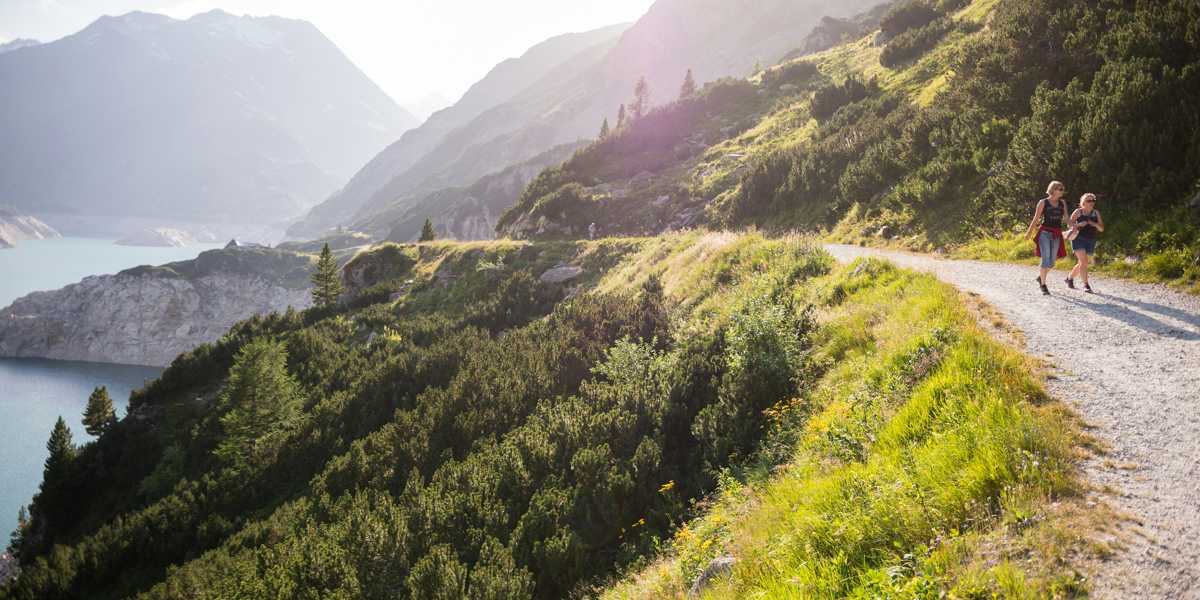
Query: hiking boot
{"x": 1045, "y": 291}
{"x": 1088, "y": 288}
{"x": 1070, "y": 282}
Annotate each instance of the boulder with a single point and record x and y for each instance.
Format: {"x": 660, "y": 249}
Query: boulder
{"x": 561, "y": 274}
{"x": 717, "y": 567}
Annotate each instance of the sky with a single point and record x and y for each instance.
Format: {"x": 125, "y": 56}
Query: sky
{"x": 421, "y": 52}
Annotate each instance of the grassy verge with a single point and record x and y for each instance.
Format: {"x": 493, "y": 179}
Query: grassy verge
{"x": 925, "y": 460}
{"x": 1174, "y": 268}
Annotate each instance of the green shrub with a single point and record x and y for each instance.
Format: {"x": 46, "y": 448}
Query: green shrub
{"x": 914, "y": 43}
{"x": 906, "y": 16}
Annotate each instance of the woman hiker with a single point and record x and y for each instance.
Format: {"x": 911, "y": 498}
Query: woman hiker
{"x": 1048, "y": 222}
{"x": 1086, "y": 220}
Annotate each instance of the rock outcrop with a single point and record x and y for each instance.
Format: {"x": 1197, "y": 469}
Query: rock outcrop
{"x": 149, "y": 315}
{"x": 15, "y": 227}
{"x": 159, "y": 237}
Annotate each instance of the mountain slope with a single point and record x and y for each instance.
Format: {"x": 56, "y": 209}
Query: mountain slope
{"x": 462, "y": 213}
{"x": 945, "y": 133}
{"x": 213, "y": 118}
{"x": 17, "y": 44}
{"x": 503, "y": 82}
{"x": 714, "y": 38}
{"x": 511, "y": 420}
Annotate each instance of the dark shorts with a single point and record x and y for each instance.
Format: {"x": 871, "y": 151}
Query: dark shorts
{"x": 1087, "y": 245}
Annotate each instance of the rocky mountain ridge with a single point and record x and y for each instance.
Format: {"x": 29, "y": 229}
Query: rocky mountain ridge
{"x": 150, "y": 315}
{"x": 217, "y": 118}
{"x": 504, "y": 82}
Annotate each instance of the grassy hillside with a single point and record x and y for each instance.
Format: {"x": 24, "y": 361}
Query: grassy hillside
{"x": 905, "y": 474}
{"x": 461, "y": 428}
{"x": 940, "y": 129}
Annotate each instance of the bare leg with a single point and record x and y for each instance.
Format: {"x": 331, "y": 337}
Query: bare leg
{"x": 1080, "y": 259}
{"x": 1045, "y": 273}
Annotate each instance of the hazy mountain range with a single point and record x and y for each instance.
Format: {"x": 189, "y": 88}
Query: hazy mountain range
{"x": 543, "y": 63}
{"x": 714, "y": 38}
{"x": 214, "y": 118}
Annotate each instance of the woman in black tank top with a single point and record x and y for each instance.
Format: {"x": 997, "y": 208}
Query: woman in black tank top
{"x": 1047, "y": 223}
{"x": 1086, "y": 220}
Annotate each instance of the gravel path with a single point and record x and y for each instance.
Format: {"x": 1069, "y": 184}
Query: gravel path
{"x": 1128, "y": 359}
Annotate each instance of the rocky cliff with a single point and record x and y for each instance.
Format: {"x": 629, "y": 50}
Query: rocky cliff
{"x": 15, "y": 227}
{"x": 149, "y": 315}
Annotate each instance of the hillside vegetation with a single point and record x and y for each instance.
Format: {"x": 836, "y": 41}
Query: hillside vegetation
{"x": 940, "y": 129}
{"x": 460, "y": 428}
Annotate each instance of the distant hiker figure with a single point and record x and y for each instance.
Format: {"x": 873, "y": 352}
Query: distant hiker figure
{"x": 1085, "y": 224}
{"x": 1048, "y": 220}
{"x": 592, "y": 231}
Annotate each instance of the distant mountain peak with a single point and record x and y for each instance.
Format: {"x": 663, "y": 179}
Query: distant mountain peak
{"x": 17, "y": 44}
{"x": 276, "y": 116}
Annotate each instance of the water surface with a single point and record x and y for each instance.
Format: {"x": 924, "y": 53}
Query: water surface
{"x": 34, "y": 393}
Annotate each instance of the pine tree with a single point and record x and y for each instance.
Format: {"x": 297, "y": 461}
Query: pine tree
{"x": 99, "y": 414}
{"x": 604, "y": 128}
{"x": 17, "y": 537}
{"x": 688, "y": 89}
{"x": 327, "y": 282}
{"x": 641, "y": 99}
{"x": 427, "y": 234}
{"x": 260, "y": 402}
{"x": 62, "y": 452}
{"x": 621, "y": 117}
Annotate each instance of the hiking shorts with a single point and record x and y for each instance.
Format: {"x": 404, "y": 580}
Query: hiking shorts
{"x": 1087, "y": 245}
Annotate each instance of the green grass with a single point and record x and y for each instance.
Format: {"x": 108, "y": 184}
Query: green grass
{"x": 1175, "y": 268}
{"x": 926, "y": 460}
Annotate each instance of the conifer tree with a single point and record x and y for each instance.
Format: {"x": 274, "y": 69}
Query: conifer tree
{"x": 641, "y": 99}
{"x": 62, "y": 452}
{"x": 688, "y": 89}
{"x": 260, "y": 402}
{"x": 427, "y": 233}
{"x": 621, "y": 117}
{"x": 17, "y": 537}
{"x": 99, "y": 414}
{"x": 327, "y": 282}
{"x": 604, "y": 128}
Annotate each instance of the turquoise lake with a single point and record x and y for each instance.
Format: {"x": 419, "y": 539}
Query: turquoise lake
{"x": 34, "y": 392}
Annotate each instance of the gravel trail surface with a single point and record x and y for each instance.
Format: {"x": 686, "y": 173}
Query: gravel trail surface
{"x": 1128, "y": 360}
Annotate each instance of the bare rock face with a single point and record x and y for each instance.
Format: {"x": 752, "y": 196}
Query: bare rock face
{"x": 561, "y": 274}
{"x": 149, "y": 315}
{"x": 15, "y": 227}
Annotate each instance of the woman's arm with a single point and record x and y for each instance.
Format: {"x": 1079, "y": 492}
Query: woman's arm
{"x": 1074, "y": 220}
{"x": 1037, "y": 216}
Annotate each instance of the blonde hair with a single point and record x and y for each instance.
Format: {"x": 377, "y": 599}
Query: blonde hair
{"x": 1053, "y": 186}
{"x": 1086, "y": 197}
